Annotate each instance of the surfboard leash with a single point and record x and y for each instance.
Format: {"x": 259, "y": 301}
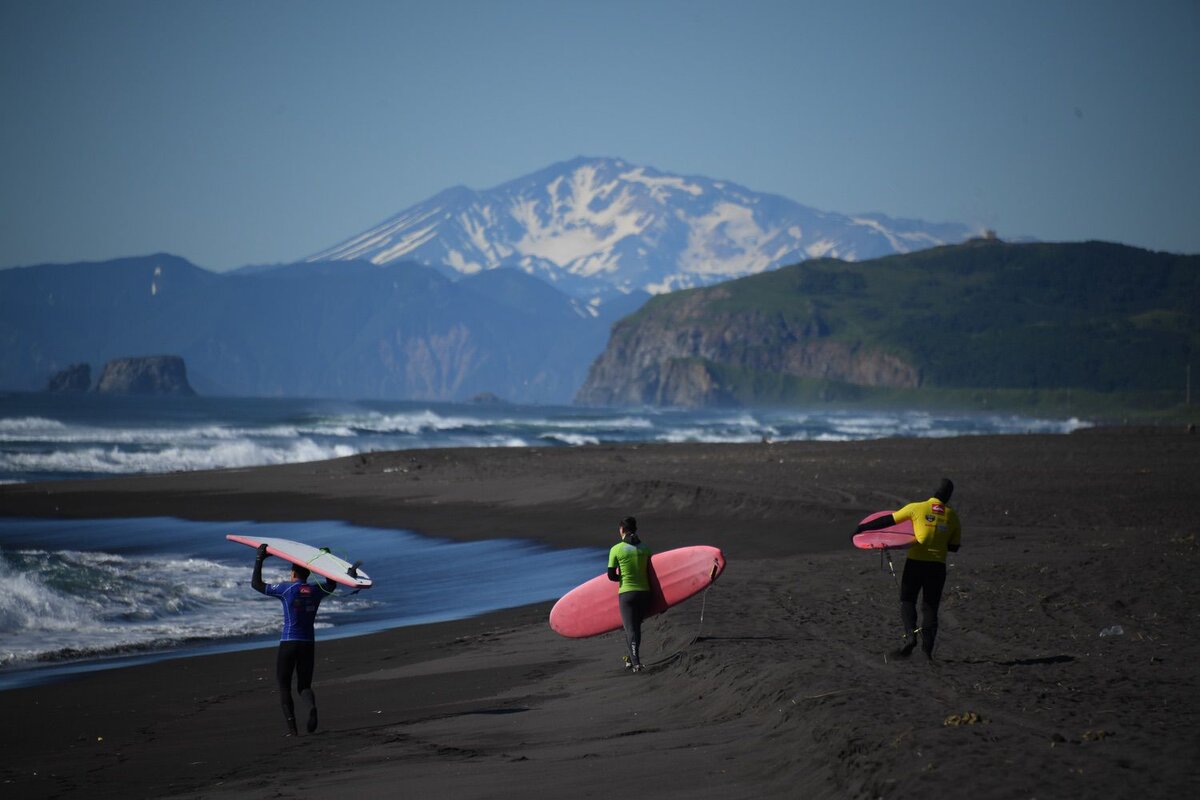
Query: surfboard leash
{"x": 699, "y": 628}
{"x": 712, "y": 577}
{"x": 703, "y": 604}
{"x": 883, "y": 553}
{"x": 712, "y": 580}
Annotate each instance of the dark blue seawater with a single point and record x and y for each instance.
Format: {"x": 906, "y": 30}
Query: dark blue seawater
{"x": 49, "y": 437}
{"x": 93, "y": 594}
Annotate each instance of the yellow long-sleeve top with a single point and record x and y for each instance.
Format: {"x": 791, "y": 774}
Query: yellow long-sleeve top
{"x": 936, "y": 527}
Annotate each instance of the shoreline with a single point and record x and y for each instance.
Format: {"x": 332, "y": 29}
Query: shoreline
{"x": 563, "y": 496}
{"x": 780, "y": 690}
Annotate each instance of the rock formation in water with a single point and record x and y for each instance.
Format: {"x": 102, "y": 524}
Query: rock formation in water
{"x": 75, "y": 379}
{"x": 147, "y": 375}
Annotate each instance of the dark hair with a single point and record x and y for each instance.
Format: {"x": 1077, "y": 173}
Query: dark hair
{"x": 944, "y": 490}
{"x": 629, "y": 524}
{"x": 301, "y": 572}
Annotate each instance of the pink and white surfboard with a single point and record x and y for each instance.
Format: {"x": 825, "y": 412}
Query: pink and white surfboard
{"x": 893, "y": 537}
{"x": 675, "y": 575}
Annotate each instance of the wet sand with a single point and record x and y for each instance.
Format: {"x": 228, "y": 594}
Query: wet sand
{"x": 782, "y": 690}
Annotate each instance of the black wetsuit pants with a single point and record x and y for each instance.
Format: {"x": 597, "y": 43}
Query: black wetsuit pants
{"x": 634, "y": 606}
{"x": 926, "y": 578}
{"x": 298, "y": 658}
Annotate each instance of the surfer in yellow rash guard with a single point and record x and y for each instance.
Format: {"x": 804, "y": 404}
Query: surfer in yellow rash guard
{"x": 938, "y": 531}
{"x": 629, "y": 566}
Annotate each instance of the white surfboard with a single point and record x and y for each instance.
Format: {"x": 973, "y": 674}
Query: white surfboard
{"x": 317, "y": 560}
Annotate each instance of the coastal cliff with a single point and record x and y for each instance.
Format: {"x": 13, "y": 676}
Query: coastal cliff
{"x": 692, "y": 354}
{"x": 947, "y": 322}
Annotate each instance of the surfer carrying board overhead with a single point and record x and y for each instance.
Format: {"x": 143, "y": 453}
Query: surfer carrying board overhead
{"x": 297, "y": 642}
{"x": 937, "y": 531}
{"x": 629, "y": 566}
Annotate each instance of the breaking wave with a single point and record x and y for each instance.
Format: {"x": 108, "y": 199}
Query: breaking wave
{"x": 39, "y": 441}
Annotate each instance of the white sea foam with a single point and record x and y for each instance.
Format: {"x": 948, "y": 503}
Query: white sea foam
{"x": 74, "y": 604}
{"x": 27, "y": 425}
{"x": 596, "y": 424}
{"x": 705, "y": 436}
{"x": 570, "y": 438}
{"x": 26, "y": 604}
{"x": 112, "y": 460}
{"x": 86, "y": 603}
{"x": 63, "y": 434}
{"x": 508, "y": 441}
{"x": 411, "y": 422}
{"x": 224, "y": 434}
{"x": 89, "y": 590}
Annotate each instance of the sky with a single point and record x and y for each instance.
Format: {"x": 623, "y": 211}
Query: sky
{"x": 238, "y": 132}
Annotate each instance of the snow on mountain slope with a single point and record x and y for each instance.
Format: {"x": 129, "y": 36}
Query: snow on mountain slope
{"x": 595, "y": 226}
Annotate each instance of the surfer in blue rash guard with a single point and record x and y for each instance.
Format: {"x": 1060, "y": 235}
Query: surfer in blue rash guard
{"x": 629, "y": 566}
{"x": 938, "y": 531}
{"x": 297, "y": 642}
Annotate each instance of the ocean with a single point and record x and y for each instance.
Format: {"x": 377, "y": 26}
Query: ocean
{"x": 81, "y": 595}
{"x": 52, "y": 437}
{"x": 95, "y": 594}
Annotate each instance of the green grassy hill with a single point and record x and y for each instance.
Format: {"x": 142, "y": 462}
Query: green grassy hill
{"x": 1095, "y": 323}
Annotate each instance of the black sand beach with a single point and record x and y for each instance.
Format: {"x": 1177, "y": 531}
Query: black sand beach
{"x": 783, "y": 691}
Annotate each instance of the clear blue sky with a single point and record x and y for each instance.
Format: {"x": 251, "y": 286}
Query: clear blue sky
{"x": 250, "y": 131}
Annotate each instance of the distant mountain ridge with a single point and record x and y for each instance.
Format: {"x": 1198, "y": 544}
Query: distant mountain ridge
{"x": 594, "y": 227}
{"x": 1093, "y": 316}
{"x": 344, "y": 330}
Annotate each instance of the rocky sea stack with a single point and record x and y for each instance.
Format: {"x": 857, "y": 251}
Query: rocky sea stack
{"x": 145, "y": 375}
{"x": 75, "y": 379}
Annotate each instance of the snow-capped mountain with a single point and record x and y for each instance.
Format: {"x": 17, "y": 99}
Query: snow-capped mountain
{"x": 595, "y": 226}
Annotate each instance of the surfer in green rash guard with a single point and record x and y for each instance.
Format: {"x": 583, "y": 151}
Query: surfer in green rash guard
{"x": 297, "y": 642}
{"x": 629, "y": 566}
{"x": 938, "y": 531}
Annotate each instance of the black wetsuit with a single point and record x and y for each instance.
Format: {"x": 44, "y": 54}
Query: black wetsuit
{"x": 927, "y": 579}
{"x": 634, "y": 606}
{"x": 297, "y": 642}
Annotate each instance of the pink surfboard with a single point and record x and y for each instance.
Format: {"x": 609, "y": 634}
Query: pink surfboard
{"x": 675, "y": 575}
{"x": 893, "y": 537}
